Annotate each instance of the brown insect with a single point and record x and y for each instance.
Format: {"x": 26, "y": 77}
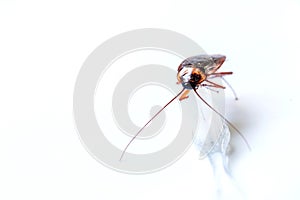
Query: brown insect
{"x": 195, "y": 72}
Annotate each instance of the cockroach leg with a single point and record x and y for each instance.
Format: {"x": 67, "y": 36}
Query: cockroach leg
{"x": 216, "y": 91}
{"x": 213, "y": 85}
{"x": 184, "y": 95}
{"x": 221, "y": 74}
{"x": 218, "y": 74}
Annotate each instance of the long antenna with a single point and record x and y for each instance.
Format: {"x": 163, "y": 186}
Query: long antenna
{"x": 148, "y": 123}
{"x": 228, "y": 122}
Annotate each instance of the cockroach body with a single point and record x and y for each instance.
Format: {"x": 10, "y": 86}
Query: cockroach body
{"x": 195, "y": 72}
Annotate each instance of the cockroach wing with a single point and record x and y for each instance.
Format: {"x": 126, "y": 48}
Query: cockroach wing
{"x": 206, "y": 63}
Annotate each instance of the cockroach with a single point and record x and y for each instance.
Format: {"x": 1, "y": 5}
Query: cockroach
{"x": 195, "y": 72}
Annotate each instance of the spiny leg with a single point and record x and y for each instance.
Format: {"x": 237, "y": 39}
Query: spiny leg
{"x": 213, "y": 85}
{"x": 221, "y": 74}
{"x": 184, "y": 95}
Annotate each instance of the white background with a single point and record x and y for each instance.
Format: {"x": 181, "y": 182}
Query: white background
{"x": 43, "y": 45}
